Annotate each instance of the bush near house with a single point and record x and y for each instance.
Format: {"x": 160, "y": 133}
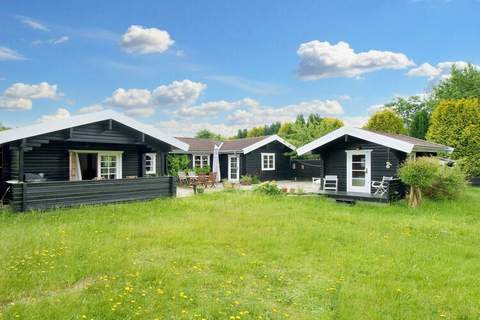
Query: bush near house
{"x": 426, "y": 176}
{"x": 249, "y": 180}
{"x": 203, "y": 170}
{"x": 176, "y": 163}
{"x": 268, "y": 188}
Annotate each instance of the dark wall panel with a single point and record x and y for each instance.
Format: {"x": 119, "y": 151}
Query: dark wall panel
{"x": 49, "y": 195}
{"x": 253, "y": 162}
{"x": 335, "y": 159}
{"x": 307, "y": 169}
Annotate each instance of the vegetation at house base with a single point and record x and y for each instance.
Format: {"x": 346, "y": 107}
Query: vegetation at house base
{"x": 249, "y": 180}
{"x": 386, "y": 120}
{"x": 176, "y": 163}
{"x": 202, "y": 170}
{"x": 232, "y": 254}
{"x": 268, "y": 188}
{"x": 425, "y": 175}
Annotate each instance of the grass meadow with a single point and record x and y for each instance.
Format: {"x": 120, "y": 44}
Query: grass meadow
{"x": 238, "y": 255}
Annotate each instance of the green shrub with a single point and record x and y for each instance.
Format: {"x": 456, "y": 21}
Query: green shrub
{"x": 203, "y": 170}
{"x": 470, "y": 165}
{"x": 269, "y": 188}
{"x": 448, "y": 183}
{"x": 419, "y": 174}
{"x": 249, "y": 180}
{"x": 176, "y": 163}
{"x": 200, "y": 190}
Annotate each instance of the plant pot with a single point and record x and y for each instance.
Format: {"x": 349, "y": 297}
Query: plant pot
{"x": 475, "y": 181}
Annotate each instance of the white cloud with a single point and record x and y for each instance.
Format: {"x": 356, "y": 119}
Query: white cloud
{"x": 130, "y": 100}
{"x": 91, "y": 108}
{"x": 61, "y": 114}
{"x": 43, "y": 90}
{"x": 184, "y": 129}
{"x": 437, "y": 73}
{"x": 376, "y": 107}
{"x": 206, "y": 109}
{"x": 142, "y": 40}
{"x": 182, "y": 92}
{"x": 34, "y": 24}
{"x": 258, "y": 114}
{"x": 345, "y": 97}
{"x": 53, "y": 41}
{"x": 9, "y": 54}
{"x": 19, "y": 96}
{"x": 15, "y": 104}
{"x": 319, "y": 60}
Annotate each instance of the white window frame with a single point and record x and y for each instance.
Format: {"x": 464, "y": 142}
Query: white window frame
{"x": 153, "y": 163}
{"x": 194, "y": 162}
{"x": 263, "y": 161}
{"x": 118, "y": 154}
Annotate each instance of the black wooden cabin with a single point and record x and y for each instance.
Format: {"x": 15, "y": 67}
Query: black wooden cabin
{"x": 266, "y": 157}
{"x": 357, "y": 157}
{"x": 88, "y": 159}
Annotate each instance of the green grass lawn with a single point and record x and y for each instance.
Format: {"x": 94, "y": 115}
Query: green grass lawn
{"x": 235, "y": 255}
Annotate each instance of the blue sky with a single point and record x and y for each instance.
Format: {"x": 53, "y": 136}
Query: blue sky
{"x": 185, "y": 65}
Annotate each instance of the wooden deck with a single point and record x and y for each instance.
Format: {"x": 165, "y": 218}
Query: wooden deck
{"x": 354, "y": 196}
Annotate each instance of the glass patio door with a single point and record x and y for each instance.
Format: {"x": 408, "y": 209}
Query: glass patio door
{"x": 234, "y": 168}
{"x": 358, "y": 171}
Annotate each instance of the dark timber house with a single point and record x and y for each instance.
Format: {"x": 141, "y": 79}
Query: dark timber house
{"x": 87, "y": 159}
{"x": 358, "y": 157}
{"x": 265, "y": 157}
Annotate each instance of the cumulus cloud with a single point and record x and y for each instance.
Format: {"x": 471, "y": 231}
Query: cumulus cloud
{"x": 130, "y": 100}
{"x": 319, "y": 60}
{"x": 355, "y": 121}
{"x": 258, "y": 114}
{"x": 9, "y": 54}
{"x": 43, "y": 90}
{"x": 61, "y": 114}
{"x": 206, "y": 109}
{"x": 34, "y": 24}
{"x": 142, "y": 40}
{"x": 92, "y": 108}
{"x": 185, "y": 129}
{"x": 19, "y": 96}
{"x": 182, "y": 92}
{"x": 437, "y": 73}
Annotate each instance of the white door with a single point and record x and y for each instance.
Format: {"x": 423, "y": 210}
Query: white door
{"x": 233, "y": 168}
{"x": 358, "y": 170}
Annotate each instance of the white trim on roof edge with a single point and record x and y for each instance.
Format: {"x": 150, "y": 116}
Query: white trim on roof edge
{"x": 358, "y": 133}
{"x": 75, "y": 121}
{"x": 266, "y": 141}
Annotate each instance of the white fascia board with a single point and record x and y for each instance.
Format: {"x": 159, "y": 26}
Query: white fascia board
{"x": 267, "y": 141}
{"x": 357, "y": 133}
{"x": 75, "y": 121}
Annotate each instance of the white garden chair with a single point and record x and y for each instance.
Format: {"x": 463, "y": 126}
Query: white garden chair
{"x": 182, "y": 177}
{"x": 381, "y": 187}
{"x": 330, "y": 183}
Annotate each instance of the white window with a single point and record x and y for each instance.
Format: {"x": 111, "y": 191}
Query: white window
{"x": 268, "y": 161}
{"x": 200, "y": 161}
{"x": 150, "y": 163}
{"x": 108, "y": 166}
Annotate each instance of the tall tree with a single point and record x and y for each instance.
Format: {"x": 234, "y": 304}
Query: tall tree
{"x": 386, "y": 120}
{"x": 408, "y": 107}
{"x": 256, "y": 132}
{"x": 420, "y": 123}
{"x": 463, "y": 83}
{"x": 207, "y": 134}
{"x": 300, "y": 121}
{"x": 456, "y": 123}
{"x": 314, "y": 119}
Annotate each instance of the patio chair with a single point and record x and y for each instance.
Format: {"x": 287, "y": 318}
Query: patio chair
{"x": 182, "y": 177}
{"x": 316, "y": 180}
{"x": 212, "y": 180}
{"x": 191, "y": 176}
{"x": 202, "y": 180}
{"x": 381, "y": 187}
{"x": 330, "y": 183}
